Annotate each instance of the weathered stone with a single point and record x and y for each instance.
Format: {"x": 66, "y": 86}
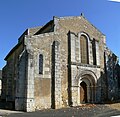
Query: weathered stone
{"x": 76, "y": 67}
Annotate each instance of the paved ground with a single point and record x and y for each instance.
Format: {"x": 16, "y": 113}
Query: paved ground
{"x": 83, "y": 111}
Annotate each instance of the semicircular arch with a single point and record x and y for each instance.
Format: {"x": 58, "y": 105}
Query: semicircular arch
{"x": 88, "y": 73}
{"x": 90, "y": 80}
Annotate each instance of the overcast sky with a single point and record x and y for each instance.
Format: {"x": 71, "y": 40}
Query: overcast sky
{"x": 18, "y": 15}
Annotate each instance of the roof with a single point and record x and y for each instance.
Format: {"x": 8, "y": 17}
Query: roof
{"x": 31, "y": 32}
{"x": 39, "y": 29}
{"x": 42, "y": 28}
{"x": 34, "y": 30}
{"x": 14, "y": 48}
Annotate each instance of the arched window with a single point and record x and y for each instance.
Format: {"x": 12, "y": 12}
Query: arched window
{"x": 84, "y": 49}
{"x": 94, "y": 51}
{"x": 40, "y": 64}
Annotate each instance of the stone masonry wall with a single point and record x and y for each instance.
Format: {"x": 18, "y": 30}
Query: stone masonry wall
{"x": 81, "y": 25}
{"x": 74, "y": 27}
{"x": 112, "y": 68}
{"x": 11, "y": 74}
{"x": 20, "y": 82}
{"x": 29, "y": 93}
{"x": 56, "y": 76}
{"x": 34, "y": 44}
{"x": 42, "y": 96}
{"x": 59, "y": 82}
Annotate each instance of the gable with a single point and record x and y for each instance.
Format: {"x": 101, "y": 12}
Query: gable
{"x": 77, "y": 25}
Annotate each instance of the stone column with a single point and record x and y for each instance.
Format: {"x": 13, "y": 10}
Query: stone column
{"x": 73, "y": 45}
{"x": 88, "y": 94}
{"x": 97, "y": 53}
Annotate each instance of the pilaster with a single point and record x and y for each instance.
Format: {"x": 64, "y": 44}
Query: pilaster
{"x": 29, "y": 98}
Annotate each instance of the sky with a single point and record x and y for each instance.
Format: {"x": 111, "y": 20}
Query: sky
{"x": 18, "y": 15}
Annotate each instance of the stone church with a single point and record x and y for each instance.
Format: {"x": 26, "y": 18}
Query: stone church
{"x": 64, "y": 63}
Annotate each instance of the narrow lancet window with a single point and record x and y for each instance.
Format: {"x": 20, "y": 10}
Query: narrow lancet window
{"x": 40, "y": 64}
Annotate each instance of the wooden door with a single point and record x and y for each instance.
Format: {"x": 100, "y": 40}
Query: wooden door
{"x": 83, "y": 92}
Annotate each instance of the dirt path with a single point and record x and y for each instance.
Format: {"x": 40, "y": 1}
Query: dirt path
{"x": 114, "y": 106}
{"x": 90, "y": 110}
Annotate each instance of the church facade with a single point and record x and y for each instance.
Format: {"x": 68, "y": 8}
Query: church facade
{"x": 63, "y": 63}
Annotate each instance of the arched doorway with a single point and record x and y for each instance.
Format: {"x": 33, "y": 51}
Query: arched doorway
{"x": 83, "y": 92}
{"x": 87, "y": 87}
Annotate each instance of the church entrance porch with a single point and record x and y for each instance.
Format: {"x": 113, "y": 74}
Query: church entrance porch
{"x": 87, "y": 89}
